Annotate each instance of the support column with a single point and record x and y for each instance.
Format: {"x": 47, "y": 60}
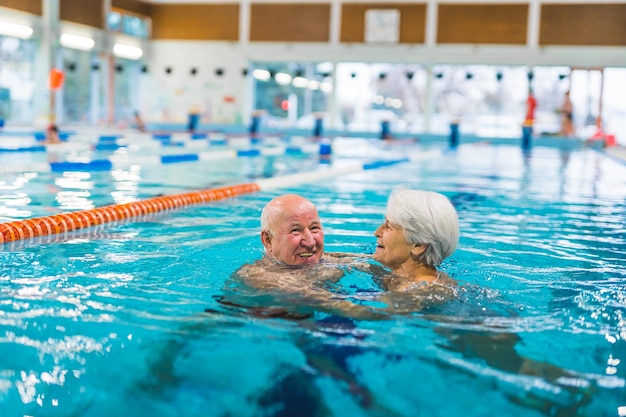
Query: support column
{"x": 247, "y": 103}
{"x": 431, "y": 23}
{"x": 332, "y": 103}
{"x": 429, "y": 102}
{"x": 432, "y": 15}
{"x": 107, "y": 60}
{"x": 534, "y": 18}
{"x": 244, "y": 22}
{"x": 335, "y": 23}
{"x": 45, "y": 100}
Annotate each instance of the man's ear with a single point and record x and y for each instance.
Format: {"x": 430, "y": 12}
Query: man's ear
{"x": 418, "y": 250}
{"x": 266, "y": 239}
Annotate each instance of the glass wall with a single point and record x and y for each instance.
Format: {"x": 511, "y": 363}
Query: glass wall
{"x": 586, "y": 88}
{"x": 17, "y": 79}
{"x": 292, "y": 94}
{"x": 549, "y": 86}
{"x": 126, "y": 90}
{"x": 486, "y": 100}
{"x": 368, "y": 93}
{"x": 80, "y": 68}
{"x": 614, "y": 103}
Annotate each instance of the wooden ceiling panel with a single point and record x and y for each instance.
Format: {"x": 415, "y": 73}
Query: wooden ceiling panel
{"x": 482, "y": 23}
{"x": 307, "y": 22}
{"x": 217, "y": 22}
{"x": 28, "y": 6}
{"x": 89, "y": 13}
{"x": 583, "y": 24}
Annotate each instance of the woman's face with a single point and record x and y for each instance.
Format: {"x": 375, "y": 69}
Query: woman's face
{"x": 392, "y": 250}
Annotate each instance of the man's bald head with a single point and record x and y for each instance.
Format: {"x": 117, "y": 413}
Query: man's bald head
{"x": 291, "y": 230}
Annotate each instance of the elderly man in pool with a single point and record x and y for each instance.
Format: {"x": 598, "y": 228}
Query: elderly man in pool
{"x": 294, "y": 261}
{"x": 291, "y": 231}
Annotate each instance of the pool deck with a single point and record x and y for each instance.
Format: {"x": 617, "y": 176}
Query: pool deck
{"x": 618, "y": 152}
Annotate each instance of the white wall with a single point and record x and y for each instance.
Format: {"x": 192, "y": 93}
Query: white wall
{"x": 170, "y": 97}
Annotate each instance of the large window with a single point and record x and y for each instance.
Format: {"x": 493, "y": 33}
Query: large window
{"x": 127, "y": 73}
{"x": 614, "y": 104}
{"x": 485, "y": 100}
{"x": 368, "y": 94}
{"x": 291, "y": 94}
{"x": 17, "y": 79}
{"x": 81, "y": 71}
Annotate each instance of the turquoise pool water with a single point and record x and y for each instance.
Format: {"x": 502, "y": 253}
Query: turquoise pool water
{"x": 113, "y": 321}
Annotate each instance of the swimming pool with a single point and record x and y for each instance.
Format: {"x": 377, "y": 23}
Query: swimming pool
{"x": 113, "y": 321}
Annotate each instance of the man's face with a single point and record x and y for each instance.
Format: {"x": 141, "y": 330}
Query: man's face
{"x": 295, "y": 236}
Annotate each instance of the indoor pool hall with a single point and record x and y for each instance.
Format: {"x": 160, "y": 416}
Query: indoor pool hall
{"x": 333, "y": 208}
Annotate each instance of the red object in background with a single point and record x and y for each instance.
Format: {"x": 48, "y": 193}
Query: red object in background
{"x": 531, "y": 105}
{"x": 228, "y": 99}
{"x": 55, "y": 79}
{"x": 284, "y": 105}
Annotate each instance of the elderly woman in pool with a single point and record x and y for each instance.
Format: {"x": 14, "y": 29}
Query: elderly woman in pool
{"x": 421, "y": 229}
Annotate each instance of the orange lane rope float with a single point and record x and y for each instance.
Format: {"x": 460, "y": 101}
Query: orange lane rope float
{"x": 66, "y": 222}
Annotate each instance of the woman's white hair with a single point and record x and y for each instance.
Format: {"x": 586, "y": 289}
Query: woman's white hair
{"x": 425, "y": 217}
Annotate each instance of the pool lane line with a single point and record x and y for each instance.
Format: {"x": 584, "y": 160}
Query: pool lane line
{"x": 154, "y": 142}
{"x": 114, "y": 162}
{"x": 345, "y": 168}
{"x": 67, "y": 222}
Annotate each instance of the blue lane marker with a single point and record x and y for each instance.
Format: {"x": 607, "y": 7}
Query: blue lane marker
{"x": 25, "y": 149}
{"x": 104, "y": 146}
{"x": 249, "y": 152}
{"x": 40, "y": 136}
{"x": 109, "y": 138}
{"x": 171, "y": 159}
{"x": 96, "y": 165}
{"x": 380, "y": 164}
{"x": 162, "y": 136}
{"x": 293, "y": 150}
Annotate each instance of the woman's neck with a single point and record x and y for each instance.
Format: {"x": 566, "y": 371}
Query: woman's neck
{"x": 417, "y": 273}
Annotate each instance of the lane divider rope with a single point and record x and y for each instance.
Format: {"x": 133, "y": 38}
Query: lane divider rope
{"x": 122, "y": 161}
{"x": 67, "y": 222}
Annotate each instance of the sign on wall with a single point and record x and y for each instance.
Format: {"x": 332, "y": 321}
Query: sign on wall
{"x": 382, "y": 25}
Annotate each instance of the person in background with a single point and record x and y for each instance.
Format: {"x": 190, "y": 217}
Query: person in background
{"x": 139, "y": 123}
{"x": 52, "y": 135}
{"x": 193, "y": 119}
{"x": 531, "y": 105}
{"x": 567, "y": 116}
